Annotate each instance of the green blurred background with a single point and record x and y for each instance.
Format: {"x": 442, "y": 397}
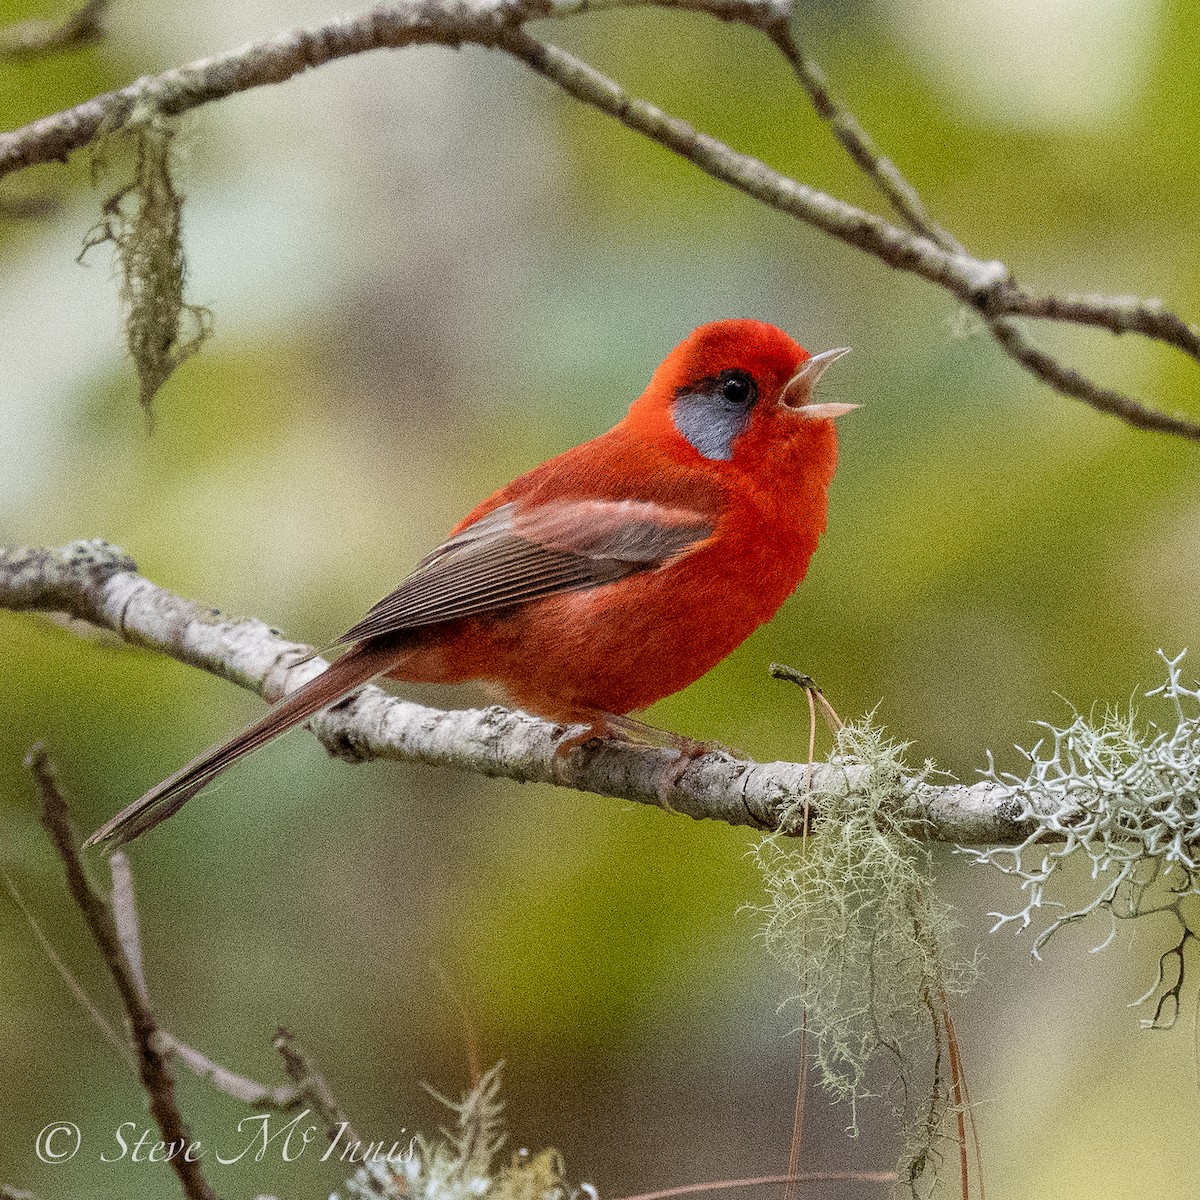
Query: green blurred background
{"x": 429, "y": 271}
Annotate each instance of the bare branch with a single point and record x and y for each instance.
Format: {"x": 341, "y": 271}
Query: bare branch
{"x": 249, "y": 1091}
{"x": 76, "y": 989}
{"x": 153, "y": 1065}
{"x": 886, "y": 176}
{"x": 921, "y": 246}
{"x": 722, "y": 1185}
{"x": 1070, "y": 382}
{"x": 312, "y": 1088}
{"x": 1117, "y": 314}
{"x": 931, "y": 252}
{"x": 98, "y": 583}
{"x": 970, "y": 279}
{"x": 418, "y": 22}
{"x": 125, "y": 918}
{"x": 987, "y": 286}
{"x": 31, "y": 39}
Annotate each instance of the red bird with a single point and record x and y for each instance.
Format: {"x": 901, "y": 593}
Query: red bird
{"x": 610, "y": 576}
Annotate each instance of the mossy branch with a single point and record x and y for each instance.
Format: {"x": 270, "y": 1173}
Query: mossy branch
{"x": 1126, "y": 800}
{"x": 853, "y": 919}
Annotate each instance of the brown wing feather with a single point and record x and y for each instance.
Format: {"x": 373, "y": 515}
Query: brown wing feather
{"x": 507, "y": 557}
{"x": 511, "y": 557}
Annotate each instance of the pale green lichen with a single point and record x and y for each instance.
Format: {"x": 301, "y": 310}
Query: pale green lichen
{"x": 1127, "y": 801}
{"x": 852, "y": 918}
{"x": 143, "y": 220}
{"x": 462, "y": 1162}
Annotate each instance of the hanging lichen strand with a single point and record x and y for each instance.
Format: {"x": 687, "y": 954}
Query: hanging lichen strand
{"x": 143, "y": 221}
{"x": 852, "y": 918}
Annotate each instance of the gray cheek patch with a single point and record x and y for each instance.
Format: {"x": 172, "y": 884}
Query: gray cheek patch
{"x": 710, "y": 422}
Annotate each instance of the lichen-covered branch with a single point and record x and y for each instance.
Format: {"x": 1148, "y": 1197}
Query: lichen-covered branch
{"x": 918, "y": 245}
{"x": 1125, "y": 796}
{"x": 97, "y": 583}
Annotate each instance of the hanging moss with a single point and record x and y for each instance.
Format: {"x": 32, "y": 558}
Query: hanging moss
{"x": 851, "y": 916}
{"x": 143, "y": 220}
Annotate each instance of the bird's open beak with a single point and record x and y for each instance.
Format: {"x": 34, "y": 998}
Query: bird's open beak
{"x": 799, "y": 388}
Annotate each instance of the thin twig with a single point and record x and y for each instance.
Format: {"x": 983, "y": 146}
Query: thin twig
{"x": 31, "y": 39}
{"x": 282, "y": 1097}
{"x": 125, "y": 917}
{"x": 154, "y": 1067}
{"x": 796, "y": 1146}
{"x": 313, "y": 1089}
{"x": 76, "y": 989}
{"x": 1117, "y": 314}
{"x": 470, "y": 1028}
{"x": 919, "y": 245}
{"x": 855, "y": 140}
{"x": 689, "y": 1189}
{"x": 987, "y": 286}
{"x": 1017, "y": 345}
{"x": 963, "y": 1098}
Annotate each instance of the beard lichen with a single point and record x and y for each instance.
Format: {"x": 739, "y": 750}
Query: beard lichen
{"x": 852, "y": 918}
{"x": 461, "y": 1163}
{"x": 143, "y": 220}
{"x": 1125, "y": 800}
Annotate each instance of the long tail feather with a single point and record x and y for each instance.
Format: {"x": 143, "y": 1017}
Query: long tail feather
{"x": 349, "y": 672}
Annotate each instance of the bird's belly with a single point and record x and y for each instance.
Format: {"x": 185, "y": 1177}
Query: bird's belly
{"x": 618, "y": 647}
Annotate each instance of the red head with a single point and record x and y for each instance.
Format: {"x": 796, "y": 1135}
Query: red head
{"x": 737, "y": 395}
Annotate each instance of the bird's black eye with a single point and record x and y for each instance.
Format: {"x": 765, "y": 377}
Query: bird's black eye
{"x": 738, "y": 388}
{"x": 713, "y": 412}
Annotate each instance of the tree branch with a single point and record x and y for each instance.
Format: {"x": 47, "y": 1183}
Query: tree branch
{"x": 98, "y": 583}
{"x": 31, "y": 39}
{"x": 919, "y": 246}
{"x": 154, "y": 1066}
{"x": 128, "y": 929}
{"x": 312, "y": 1088}
{"x": 282, "y": 1097}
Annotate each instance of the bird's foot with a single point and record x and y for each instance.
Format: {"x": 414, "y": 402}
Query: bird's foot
{"x": 667, "y": 777}
{"x": 604, "y": 726}
{"x": 596, "y": 731}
